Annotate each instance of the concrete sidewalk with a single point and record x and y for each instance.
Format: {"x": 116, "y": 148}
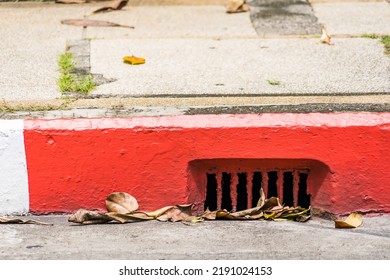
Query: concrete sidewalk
{"x": 316, "y": 239}
{"x": 197, "y": 57}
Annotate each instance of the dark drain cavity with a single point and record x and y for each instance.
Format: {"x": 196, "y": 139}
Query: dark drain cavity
{"x": 235, "y": 191}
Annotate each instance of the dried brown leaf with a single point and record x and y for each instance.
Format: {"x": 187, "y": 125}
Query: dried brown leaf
{"x": 86, "y": 217}
{"x": 113, "y": 6}
{"x": 71, "y": 1}
{"x": 129, "y": 217}
{"x": 262, "y": 198}
{"x": 4, "y": 220}
{"x": 352, "y": 221}
{"x": 163, "y": 218}
{"x": 248, "y": 212}
{"x": 258, "y": 216}
{"x": 121, "y": 202}
{"x": 237, "y": 6}
{"x": 93, "y": 23}
{"x": 180, "y": 213}
{"x": 225, "y": 215}
{"x": 209, "y": 215}
{"x": 159, "y": 212}
{"x": 303, "y": 218}
{"x": 270, "y": 203}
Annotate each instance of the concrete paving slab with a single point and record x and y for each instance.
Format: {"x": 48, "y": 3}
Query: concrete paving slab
{"x": 354, "y": 18}
{"x": 287, "y": 17}
{"x": 32, "y": 40}
{"x": 199, "y": 67}
{"x": 174, "y": 22}
{"x": 316, "y": 239}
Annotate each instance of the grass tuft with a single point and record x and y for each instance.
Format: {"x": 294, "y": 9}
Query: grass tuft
{"x": 68, "y": 81}
{"x": 386, "y": 42}
{"x": 273, "y": 82}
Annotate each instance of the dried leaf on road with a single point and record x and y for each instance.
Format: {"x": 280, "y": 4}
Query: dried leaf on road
{"x": 179, "y": 213}
{"x": 226, "y": 215}
{"x": 237, "y": 6}
{"x": 325, "y": 37}
{"x": 270, "y": 203}
{"x": 121, "y": 202}
{"x": 113, "y": 6}
{"x": 71, "y": 1}
{"x": 92, "y": 23}
{"x": 159, "y": 212}
{"x": 4, "y": 220}
{"x": 133, "y": 60}
{"x": 87, "y": 217}
{"x": 129, "y": 217}
{"x": 209, "y": 215}
{"x": 352, "y": 221}
{"x": 122, "y": 208}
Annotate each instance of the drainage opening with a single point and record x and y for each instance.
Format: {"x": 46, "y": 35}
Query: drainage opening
{"x": 241, "y": 190}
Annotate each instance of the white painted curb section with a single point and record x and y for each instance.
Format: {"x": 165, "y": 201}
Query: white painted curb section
{"x": 14, "y": 196}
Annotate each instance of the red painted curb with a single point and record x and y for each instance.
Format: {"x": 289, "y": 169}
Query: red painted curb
{"x": 76, "y": 163}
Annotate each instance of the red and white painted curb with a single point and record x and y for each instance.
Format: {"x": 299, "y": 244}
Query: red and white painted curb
{"x": 62, "y": 165}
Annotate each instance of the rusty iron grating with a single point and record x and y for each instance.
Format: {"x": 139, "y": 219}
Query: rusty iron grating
{"x": 235, "y": 191}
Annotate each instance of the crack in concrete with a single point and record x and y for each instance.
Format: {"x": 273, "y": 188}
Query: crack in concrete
{"x": 81, "y": 51}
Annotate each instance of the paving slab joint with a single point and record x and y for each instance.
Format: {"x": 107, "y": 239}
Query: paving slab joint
{"x": 81, "y": 52}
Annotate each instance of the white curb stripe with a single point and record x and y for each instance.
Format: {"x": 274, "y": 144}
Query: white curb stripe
{"x": 14, "y": 196}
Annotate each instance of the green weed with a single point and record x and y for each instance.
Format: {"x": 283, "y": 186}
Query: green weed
{"x": 273, "y": 82}
{"x": 386, "y": 42}
{"x": 371, "y": 36}
{"x": 68, "y": 81}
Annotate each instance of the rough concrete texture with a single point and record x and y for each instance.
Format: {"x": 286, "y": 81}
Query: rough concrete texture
{"x": 354, "y": 18}
{"x": 241, "y": 66}
{"x": 32, "y": 40}
{"x": 174, "y": 22}
{"x": 287, "y": 17}
{"x": 316, "y": 239}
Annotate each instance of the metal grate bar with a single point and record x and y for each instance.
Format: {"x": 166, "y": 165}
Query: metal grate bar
{"x": 249, "y": 188}
{"x": 295, "y": 187}
{"x": 233, "y": 191}
{"x": 279, "y": 185}
{"x": 264, "y": 182}
{"x": 219, "y": 190}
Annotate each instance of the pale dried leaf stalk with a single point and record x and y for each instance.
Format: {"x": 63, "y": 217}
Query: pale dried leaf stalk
{"x": 84, "y": 22}
{"x": 325, "y": 37}
{"x": 4, "y": 220}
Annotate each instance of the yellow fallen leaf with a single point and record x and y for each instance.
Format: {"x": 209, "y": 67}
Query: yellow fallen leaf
{"x": 352, "y": 221}
{"x": 133, "y": 60}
